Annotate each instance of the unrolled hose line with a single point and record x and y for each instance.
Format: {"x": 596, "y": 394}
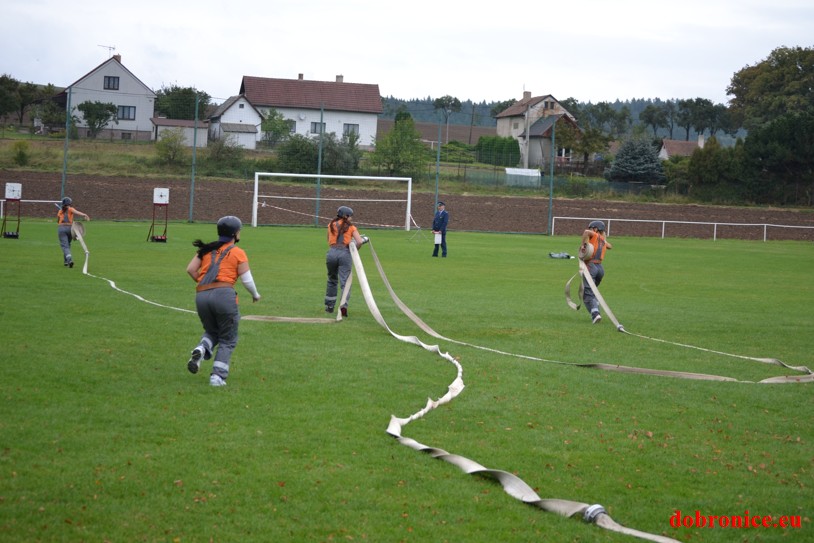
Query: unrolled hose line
{"x": 512, "y": 484}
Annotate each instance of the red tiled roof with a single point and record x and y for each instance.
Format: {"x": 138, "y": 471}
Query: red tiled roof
{"x": 679, "y": 147}
{"x": 301, "y": 93}
{"x": 519, "y": 107}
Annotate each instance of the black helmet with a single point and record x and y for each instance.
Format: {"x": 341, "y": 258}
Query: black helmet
{"x": 66, "y": 201}
{"x": 344, "y": 211}
{"x": 599, "y": 225}
{"x": 229, "y": 226}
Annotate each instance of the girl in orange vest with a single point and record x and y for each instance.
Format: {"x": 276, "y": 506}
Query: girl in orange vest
{"x": 595, "y": 237}
{"x": 216, "y": 268}
{"x": 341, "y": 232}
{"x": 65, "y": 219}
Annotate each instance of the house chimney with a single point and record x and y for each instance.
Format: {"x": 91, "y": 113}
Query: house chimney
{"x": 340, "y": 79}
{"x": 299, "y": 77}
{"x": 701, "y": 141}
{"x": 118, "y": 58}
{"x": 526, "y": 95}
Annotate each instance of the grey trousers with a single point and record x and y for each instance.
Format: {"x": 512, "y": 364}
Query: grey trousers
{"x": 219, "y": 314}
{"x": 339, "y": 263}
{"x": 588, "y": 298}
{"x": 65, "y": 237}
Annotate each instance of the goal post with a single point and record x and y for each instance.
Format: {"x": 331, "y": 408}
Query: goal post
{"x": 317, "y": 178}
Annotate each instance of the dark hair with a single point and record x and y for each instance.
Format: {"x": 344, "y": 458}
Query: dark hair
{"x": 343, "y": 227}
{"x": 206, "y": 248}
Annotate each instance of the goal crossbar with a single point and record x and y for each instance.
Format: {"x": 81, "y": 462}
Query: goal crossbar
{"x": 317, "y": 177}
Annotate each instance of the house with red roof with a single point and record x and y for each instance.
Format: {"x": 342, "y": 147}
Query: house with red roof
{"x": 671, "y": 148}
{"x": 313, "y": 106}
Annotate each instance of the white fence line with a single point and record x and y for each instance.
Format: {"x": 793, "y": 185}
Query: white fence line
{"x": 664, "y": 223}
{"x": 3, "y": 204}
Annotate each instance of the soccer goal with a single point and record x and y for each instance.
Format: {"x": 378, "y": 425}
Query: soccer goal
{"x": 301, "y": 198}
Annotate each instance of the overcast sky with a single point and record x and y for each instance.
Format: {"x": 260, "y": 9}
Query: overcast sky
{"x": 591, "y": 50}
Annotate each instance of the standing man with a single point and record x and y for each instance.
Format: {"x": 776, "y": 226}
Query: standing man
{"x": 65, "y": 219}
{"x": 439, "y": 226}
{"x": 594, "y": 245}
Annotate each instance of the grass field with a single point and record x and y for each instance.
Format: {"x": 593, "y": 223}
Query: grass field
{"x": 105, "y": 436}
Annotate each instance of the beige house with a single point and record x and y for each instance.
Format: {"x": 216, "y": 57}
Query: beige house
{"x": 531, "y": 121}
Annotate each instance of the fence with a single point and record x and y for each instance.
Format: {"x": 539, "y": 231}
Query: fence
{"x": 659, "y": 228}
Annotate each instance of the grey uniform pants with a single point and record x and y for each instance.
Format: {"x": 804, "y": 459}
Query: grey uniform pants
{"x": 339, "y": 263}
{"x": 65, "y": 237}
{"x": 588, "y": 298}
{"x": 219, "y": 314}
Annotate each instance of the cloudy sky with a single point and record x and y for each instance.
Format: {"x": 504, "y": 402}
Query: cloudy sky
{"x": 592, "y": 50}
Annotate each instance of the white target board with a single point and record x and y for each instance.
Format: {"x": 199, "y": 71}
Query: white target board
{"x": 14, "y": 191}
{"x": 161, "y": 196}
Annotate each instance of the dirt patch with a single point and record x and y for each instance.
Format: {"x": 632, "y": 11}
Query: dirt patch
{"x": 126, "y": 198}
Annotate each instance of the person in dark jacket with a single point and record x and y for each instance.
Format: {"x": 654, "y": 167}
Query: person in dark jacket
{"x": 439, "y": 228}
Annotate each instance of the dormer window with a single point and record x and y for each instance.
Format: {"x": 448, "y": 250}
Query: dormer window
{"x": 111, "y": 82}
{"x": 240, "y": 106}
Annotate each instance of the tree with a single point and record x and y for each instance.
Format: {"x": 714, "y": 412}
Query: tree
{"x": 275, "y": 127}
{"x": 684, "y": 116}
{"x": 671, "y": 114}
{"x": 500, "y": 107}
{"x": 780, "y": 155}
{"x": 654, "y": 117}
{"x": 400, "y": 151}
{"x": 97, "y": 115}
{"x": 703, "y": 115}
{"x": 176, "y": 102}
{"x": 779, "y": 85}
{"x": 170, "y": 146}
{"x": 298, "y": 154}
{"x": 637, "y": 161}
{"x": 447, "y": 104}
{"x": 9, "y": 97}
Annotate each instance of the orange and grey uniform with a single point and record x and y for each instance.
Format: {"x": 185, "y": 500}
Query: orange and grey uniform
{"x": 216, "y": 302}
{"x": 597, "y": 240}
{"x": 64, "y": 223}
{"x": 338, "y": 260}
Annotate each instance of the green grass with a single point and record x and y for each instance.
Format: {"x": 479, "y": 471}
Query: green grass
{"x": 104, "y": 435}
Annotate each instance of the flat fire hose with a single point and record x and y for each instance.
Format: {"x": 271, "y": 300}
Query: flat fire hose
{"x": 585, "y": 274}
{"x": 512, "y": 484}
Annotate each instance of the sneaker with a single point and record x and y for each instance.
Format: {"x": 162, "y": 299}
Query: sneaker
{"x": 344, "y": 311}
{"x": 70, "y": 264}
{"x": 597, "y": 318}
{"x": 329, "y": 309}
{"x": 194, "y": 363}
{"x": 216, "y": 381}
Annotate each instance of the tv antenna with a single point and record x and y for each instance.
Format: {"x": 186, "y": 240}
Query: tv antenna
{"x": 110, "y": 49}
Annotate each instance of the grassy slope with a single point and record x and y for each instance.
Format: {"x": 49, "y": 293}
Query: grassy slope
{"x": 105, "y": 436}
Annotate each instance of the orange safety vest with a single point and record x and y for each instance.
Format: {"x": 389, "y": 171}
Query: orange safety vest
{"x": 62, "y": 216}
{"x": 333, "y": 234}
{"x": 597, "y": 240}
{"x": 227, "y": 271}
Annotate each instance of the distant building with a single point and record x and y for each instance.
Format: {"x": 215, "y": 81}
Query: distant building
{"x": 342, "y": 108}
{"x": 194, "y": 132}
{"x": 239, "y": 120}
{"x": 671, "y": 148}
{"x": 530, "y": 122}
{"x": 111, "y": 82}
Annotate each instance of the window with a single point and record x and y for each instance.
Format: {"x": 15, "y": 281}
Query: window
{"x": 111, "y": 82}
{"x": 317, "y": 128}
{"x": 240, "y": 106}
{"x": 127, "y": 136}
{"x": 292, "y": 125}
{"x": 348, "y": 129}
{"x": 126, "y": 113}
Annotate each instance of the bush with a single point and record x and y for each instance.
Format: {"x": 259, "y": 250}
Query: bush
{"x": 20, "y": 151}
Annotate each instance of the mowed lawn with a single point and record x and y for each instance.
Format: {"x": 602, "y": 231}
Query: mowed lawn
{"x": 105, "y": 436}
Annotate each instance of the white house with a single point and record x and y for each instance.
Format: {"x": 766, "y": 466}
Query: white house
{"x": 530, "y": 122}
{"x": 111, "y": 82}
{"x": 342, "y": 108}
{"x": 238, "y": 119}
{"x": 194, "y": 133}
